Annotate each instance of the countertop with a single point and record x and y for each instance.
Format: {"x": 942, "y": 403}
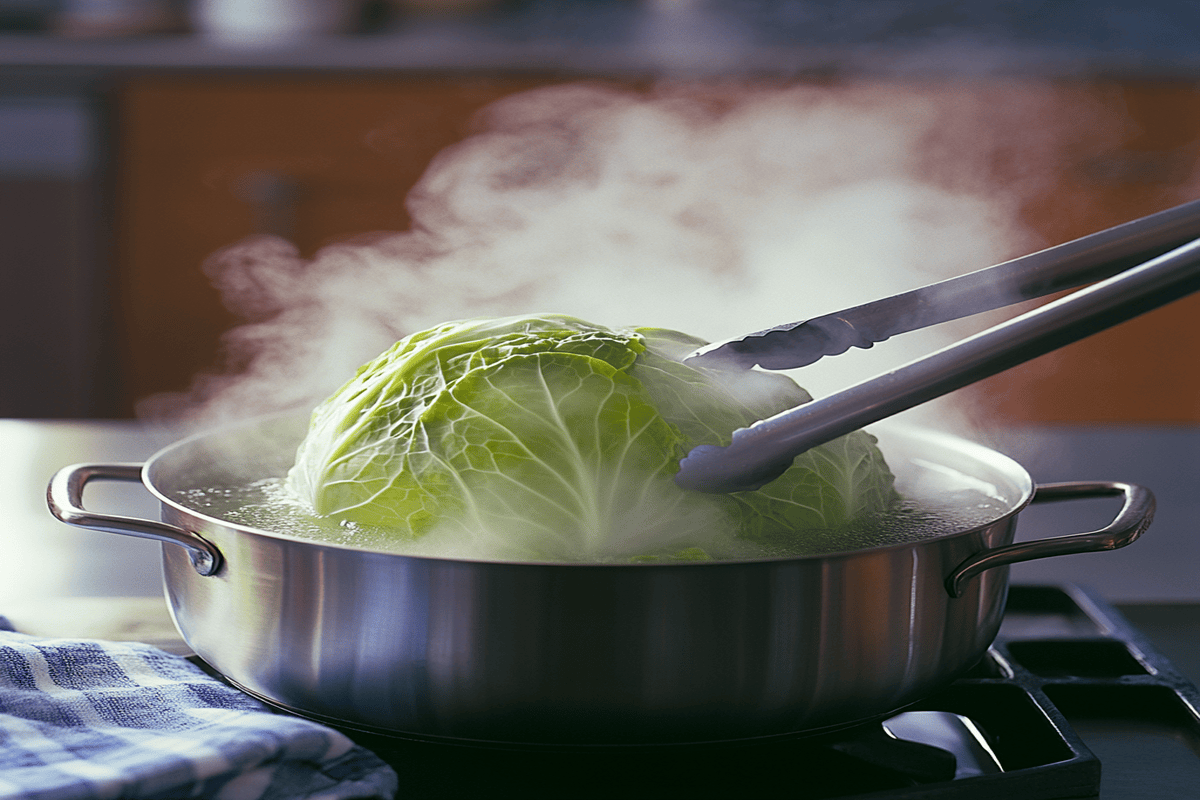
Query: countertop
{"x": 56, "y": 580}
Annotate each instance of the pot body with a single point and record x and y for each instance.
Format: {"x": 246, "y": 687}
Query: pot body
{"x": 584, "y": 654}
{"x": 577, "y": 653}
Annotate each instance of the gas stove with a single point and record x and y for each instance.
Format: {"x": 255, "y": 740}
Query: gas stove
{"x": 1071, "y": 701}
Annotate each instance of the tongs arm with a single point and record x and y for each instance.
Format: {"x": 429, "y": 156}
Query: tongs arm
{"x": 762, "y": 452}
{"x": 1065, "y": 266}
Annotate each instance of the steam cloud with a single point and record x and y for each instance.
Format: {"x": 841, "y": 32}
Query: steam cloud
{"x": 714, "y": 210}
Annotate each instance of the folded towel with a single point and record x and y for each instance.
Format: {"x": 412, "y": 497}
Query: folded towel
{"x": 96, "y": 719}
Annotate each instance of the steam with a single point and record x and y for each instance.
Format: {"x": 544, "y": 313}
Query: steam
{"x": 714, "y": 210}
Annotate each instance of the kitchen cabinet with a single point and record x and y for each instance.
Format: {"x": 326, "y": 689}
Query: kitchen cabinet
{"x": 203, "y": 162}
{"x": 1142, "y": 371}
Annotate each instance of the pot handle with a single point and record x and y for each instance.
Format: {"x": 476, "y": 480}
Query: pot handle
{"x": 1131, "y": 521}
{"x": 65, "y": 498}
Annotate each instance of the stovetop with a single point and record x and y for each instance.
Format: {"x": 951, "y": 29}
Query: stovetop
{"x": 1071, "y": 701}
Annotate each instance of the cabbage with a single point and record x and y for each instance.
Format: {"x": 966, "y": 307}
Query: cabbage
{"x": 549, "y": 438}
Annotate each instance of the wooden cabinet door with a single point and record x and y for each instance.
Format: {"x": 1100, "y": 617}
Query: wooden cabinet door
{"x": 1144, "y": 370}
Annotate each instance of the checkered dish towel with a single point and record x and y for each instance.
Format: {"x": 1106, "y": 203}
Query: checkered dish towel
{"x": 93, "y": 719}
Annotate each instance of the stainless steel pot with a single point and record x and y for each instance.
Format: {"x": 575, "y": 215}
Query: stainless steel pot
{"x": 579, "y": 653}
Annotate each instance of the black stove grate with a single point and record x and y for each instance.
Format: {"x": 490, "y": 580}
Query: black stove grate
{"x": 1068, "y": 688}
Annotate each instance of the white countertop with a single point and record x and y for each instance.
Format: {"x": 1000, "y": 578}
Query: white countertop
{"x": 56, "y": 580}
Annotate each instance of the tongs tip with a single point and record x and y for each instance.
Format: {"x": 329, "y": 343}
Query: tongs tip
{"x": 790, "y": 346}
{"x": 710, "y": 469}
{"x": 752, "y": 459}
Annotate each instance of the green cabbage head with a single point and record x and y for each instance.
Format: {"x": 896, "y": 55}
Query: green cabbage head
{"x": 549, "y": 438}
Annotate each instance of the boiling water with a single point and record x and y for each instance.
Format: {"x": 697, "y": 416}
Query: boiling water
{"x": 934, "y": 506}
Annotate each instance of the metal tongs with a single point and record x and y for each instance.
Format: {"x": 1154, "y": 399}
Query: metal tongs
{"x": 1134, "y": 268}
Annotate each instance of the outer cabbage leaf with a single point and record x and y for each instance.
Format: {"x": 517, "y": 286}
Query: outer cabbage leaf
{"x": 550, "y": 438}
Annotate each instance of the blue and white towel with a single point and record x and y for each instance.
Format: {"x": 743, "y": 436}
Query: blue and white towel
{"x": 96, "y": 719}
